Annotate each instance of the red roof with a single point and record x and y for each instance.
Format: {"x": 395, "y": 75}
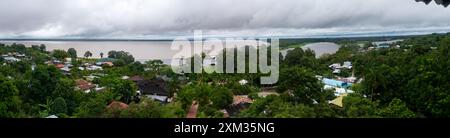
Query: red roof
{"x": 136, "y": 78}
{"x": 84, "y": 85}
{"x": 117, "y": 105}
{"x": 108, "y": 63}
{"x": 59, "y": 65}
{"x": 193, "y": 110}
{"x": 241, "y": 99}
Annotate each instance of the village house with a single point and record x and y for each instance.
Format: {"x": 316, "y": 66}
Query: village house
{"x": 155, "y": 89}
{"x": 65, "y": 69}
{"x": 94, "y": 67}
{"x": 336, "y": 83}
{"x": 105, "y": 62}
{"x": 339, "y": 87}
{"x": 109, "y": 64}
{"x": 84, "y": 85}
{"x": 337, "y": 67}
{"x": 385, "y": 44}
{"x": 336, "y": 71}
{"x": 59, "y": 66}
{"x": 13, "y": 57}
{"x": 240, "y": 102}
{"x": 338, "y": 91}
{"x": 347, "y": 65}
{"x": 20, "y": 55}
{"x": 14, "y": 54}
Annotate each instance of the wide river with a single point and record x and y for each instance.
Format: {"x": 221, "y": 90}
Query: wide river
{"x": 141, "y": 50}
{"x": 320, "y": 49}
{"x": 144, "y": 50}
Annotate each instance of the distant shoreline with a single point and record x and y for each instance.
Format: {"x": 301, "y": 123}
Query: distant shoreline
{"x": 94, "y": 40}
{"x": 329, "y": 37}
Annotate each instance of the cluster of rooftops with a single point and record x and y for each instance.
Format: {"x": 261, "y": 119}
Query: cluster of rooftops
{"x": 13, "y": 57}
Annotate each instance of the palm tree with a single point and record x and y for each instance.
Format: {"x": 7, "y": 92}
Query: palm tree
{"x": 376, "y": 79}
{"x": 47, "y": 108}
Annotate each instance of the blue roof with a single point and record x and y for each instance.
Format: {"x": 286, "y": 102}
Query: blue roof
{"x": 384, "y": 45}
{"x": 336, "y": 83}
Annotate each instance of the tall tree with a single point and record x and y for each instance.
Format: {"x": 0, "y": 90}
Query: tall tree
{"x": 396, "y": 109}
{"x": 136, "y": 68}
{"x": 145, "y": 109}
{"x": 91, "y": 108}
{"x": 125, "y": 56}
{"x": 42, "y": 47}
{"x": 72, "y": 53}
{"x": 154, "y": 65}
{"x": 222, "y": 97}
{"x": 9, "y": 99}
{"x": 42, "y": 83}
{"x": 301, "y": 58}
{"x": 356, "y": 106}
{"x": 126, "y": 89}
{"x": 59, "y": 106}
{"x": 60, "y": 54}
{"x": 305, "y": 87}
{"x": 87, "y": 54}
{"x": 65, "y": 88}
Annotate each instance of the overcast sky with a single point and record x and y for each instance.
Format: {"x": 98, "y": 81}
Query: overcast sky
{"x": 155, "y": 18}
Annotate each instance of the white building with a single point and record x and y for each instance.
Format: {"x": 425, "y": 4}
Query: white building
{"x": 347, "y": 65}
{"x": 94, "y": 67}
{"x": 335, "y": 66}
{"x": 66, "y": 69}
{"x": 336, "y": 71}
{"x": 11, "y": 59}
{"x": 243, "y": 82}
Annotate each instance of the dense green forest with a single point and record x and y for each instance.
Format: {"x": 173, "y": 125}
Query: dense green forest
{"x": 407, "y": 81}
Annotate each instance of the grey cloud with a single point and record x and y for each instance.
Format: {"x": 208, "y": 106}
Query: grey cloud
{"x": 103, "y": 18}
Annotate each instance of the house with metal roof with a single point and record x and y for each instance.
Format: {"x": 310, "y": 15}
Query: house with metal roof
{"x": 336, "y": 83}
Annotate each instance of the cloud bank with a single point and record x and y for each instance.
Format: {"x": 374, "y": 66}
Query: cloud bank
{"x": 156, "y": 18}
